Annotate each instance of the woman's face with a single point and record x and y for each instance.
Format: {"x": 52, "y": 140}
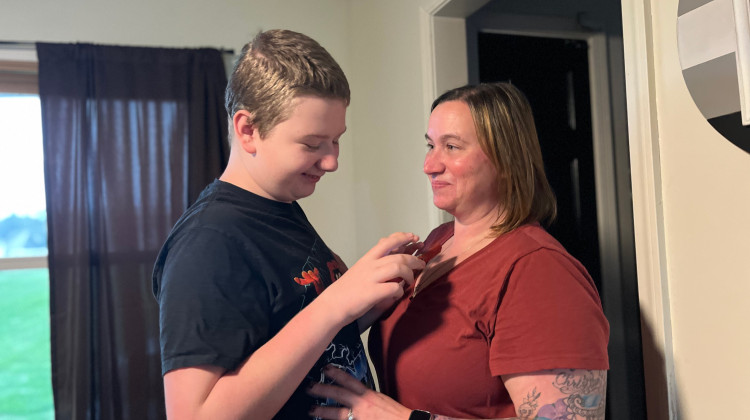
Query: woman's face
{"x": 464, "y": 182}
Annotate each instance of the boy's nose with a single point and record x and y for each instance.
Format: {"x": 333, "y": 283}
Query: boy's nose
{"x": 329, "y": 162}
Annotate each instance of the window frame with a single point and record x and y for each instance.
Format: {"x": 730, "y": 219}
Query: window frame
{"x": 19, "y": 70}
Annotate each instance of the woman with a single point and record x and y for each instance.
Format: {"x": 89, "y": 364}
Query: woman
{"x": 502, "y": 322}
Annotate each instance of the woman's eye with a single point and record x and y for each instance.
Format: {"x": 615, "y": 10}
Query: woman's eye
{"x": 429, "y": 146}
{"x": 450, "y": 147}
{"x": 312, "y": 146}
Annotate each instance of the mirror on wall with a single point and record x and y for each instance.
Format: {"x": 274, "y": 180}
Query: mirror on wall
{"x": 714, "y": 45}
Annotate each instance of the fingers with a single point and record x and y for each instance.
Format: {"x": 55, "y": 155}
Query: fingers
{"x": 408, "y": 248}
{"x": 412, "y": 247}
{"x": 390, "y": 243}
{"x": 399, "y": 266}
{"x": 346, "y": 389}
{"x": 341, "y": 395}
{"x": 329, "y": 413}
{"x": 362, "y": 402}
{"x": 345, "y": 380}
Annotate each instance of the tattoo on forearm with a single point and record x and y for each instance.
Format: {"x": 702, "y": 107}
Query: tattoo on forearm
{"x": 585, "y": 400}
{"x": 528, "y": 408}
{"x": 585, "y": 390}
{"x": 586, "y": 383}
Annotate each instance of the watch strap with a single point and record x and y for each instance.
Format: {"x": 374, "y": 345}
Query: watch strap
{"x": 420, "y": 415}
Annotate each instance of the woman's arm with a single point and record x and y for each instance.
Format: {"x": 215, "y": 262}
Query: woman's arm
{"x": 558, "y": 393}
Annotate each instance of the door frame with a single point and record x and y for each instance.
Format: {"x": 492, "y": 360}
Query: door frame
{"x": 601, "y": 130}
{"x": 444, "y": 67}
{"x": 648, "y": 214}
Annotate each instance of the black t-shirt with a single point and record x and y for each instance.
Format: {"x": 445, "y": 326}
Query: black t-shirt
{"x": 234, "y": 270}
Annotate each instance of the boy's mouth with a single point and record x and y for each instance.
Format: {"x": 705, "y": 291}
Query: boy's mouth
{"x": 313, "y": 178}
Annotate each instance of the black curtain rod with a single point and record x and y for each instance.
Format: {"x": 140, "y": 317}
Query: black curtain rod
{"x": 27, "y": 44}
{"x": 22, "y": 44}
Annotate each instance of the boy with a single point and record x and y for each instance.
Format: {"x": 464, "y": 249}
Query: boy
{"x": 245, "y": 322}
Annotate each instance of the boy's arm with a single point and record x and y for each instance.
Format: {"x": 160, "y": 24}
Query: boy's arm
{"x": 266, "y": 380}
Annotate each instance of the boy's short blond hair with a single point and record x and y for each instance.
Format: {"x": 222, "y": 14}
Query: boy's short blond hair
{"x": 276, "y": 67}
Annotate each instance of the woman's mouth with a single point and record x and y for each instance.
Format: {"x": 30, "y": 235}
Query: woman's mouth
{"x": 438, "y": 184}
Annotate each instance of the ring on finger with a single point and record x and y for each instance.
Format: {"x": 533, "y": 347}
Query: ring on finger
{"x": 350, "y": 415}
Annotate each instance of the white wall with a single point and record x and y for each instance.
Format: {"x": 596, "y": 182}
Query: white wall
{"x": 701, "y": 204}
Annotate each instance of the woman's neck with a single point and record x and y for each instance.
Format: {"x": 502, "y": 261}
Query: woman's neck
{"x": 474, "y": 227}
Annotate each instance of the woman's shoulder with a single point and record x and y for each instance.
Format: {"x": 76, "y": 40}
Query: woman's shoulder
{"x": 533, "y": 242}
{"x": 534, "y": 236}
{"x": 523, "y": 241}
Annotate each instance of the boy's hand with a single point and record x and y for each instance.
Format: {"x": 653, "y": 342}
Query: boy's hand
{"x": 379, "y": 276}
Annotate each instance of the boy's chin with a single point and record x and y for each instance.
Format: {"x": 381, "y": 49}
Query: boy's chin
{"x": 303, "y": 193}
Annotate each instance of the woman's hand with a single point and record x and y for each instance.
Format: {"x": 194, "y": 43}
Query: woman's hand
{"x": 365, "y": 404}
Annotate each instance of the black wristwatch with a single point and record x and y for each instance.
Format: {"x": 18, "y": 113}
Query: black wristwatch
{"x": 420, "y": 415}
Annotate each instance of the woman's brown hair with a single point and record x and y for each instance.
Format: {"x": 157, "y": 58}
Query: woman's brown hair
{"x": 507, "y": 134}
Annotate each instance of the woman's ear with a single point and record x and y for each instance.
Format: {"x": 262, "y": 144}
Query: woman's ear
{"x": 245, "y": 132}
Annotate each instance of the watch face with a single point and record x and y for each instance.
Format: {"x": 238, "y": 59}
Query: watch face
{"x": 420, "y": 415}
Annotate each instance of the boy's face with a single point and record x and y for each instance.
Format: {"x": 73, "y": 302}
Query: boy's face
{"x": 297, "y": 152}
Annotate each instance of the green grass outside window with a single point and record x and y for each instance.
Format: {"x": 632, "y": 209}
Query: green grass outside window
{"x": 25, "y": 366}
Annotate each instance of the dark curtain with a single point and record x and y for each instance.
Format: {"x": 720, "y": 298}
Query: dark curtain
{"x": 131, "y": 136}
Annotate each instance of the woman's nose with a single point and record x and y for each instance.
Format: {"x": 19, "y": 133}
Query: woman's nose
{"x": 432, "y": 163}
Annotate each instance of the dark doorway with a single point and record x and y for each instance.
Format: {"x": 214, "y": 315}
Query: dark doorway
{"x": 554, "y": 75}
{"x": 557, "y": 87}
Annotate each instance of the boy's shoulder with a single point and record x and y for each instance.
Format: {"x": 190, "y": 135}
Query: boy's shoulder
{"x": 222, "y": 205}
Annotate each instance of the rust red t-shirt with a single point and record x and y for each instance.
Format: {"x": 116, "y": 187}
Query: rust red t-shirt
{"x": 520, "y": 304}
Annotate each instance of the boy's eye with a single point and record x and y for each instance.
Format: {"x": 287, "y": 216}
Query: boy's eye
{"x": 430, "y": 146}
{"x": 450, "y": 147}
{"x": 311, "y": 146}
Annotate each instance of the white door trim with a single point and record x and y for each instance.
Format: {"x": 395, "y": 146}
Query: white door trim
{"x": 645, "y": 169}
{"x": 445, "y": 67}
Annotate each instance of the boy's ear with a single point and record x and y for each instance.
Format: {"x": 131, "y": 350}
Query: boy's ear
{"x": 245, "y": 132}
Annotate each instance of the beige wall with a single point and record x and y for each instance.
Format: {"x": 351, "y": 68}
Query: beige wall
{"x": 692, "y": 226}
{"x": 706, "y": 192}
{"x": 222, "y": 24}
{"x": 379, "y": 187}
{"x": 389, "y": 114}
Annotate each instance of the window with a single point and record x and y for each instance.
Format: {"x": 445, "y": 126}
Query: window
{"x": 25, "y": 367}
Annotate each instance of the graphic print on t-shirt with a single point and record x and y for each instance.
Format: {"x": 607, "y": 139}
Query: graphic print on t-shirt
{"x": 313, "y": 277}
{"x": 321, "y": 268}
